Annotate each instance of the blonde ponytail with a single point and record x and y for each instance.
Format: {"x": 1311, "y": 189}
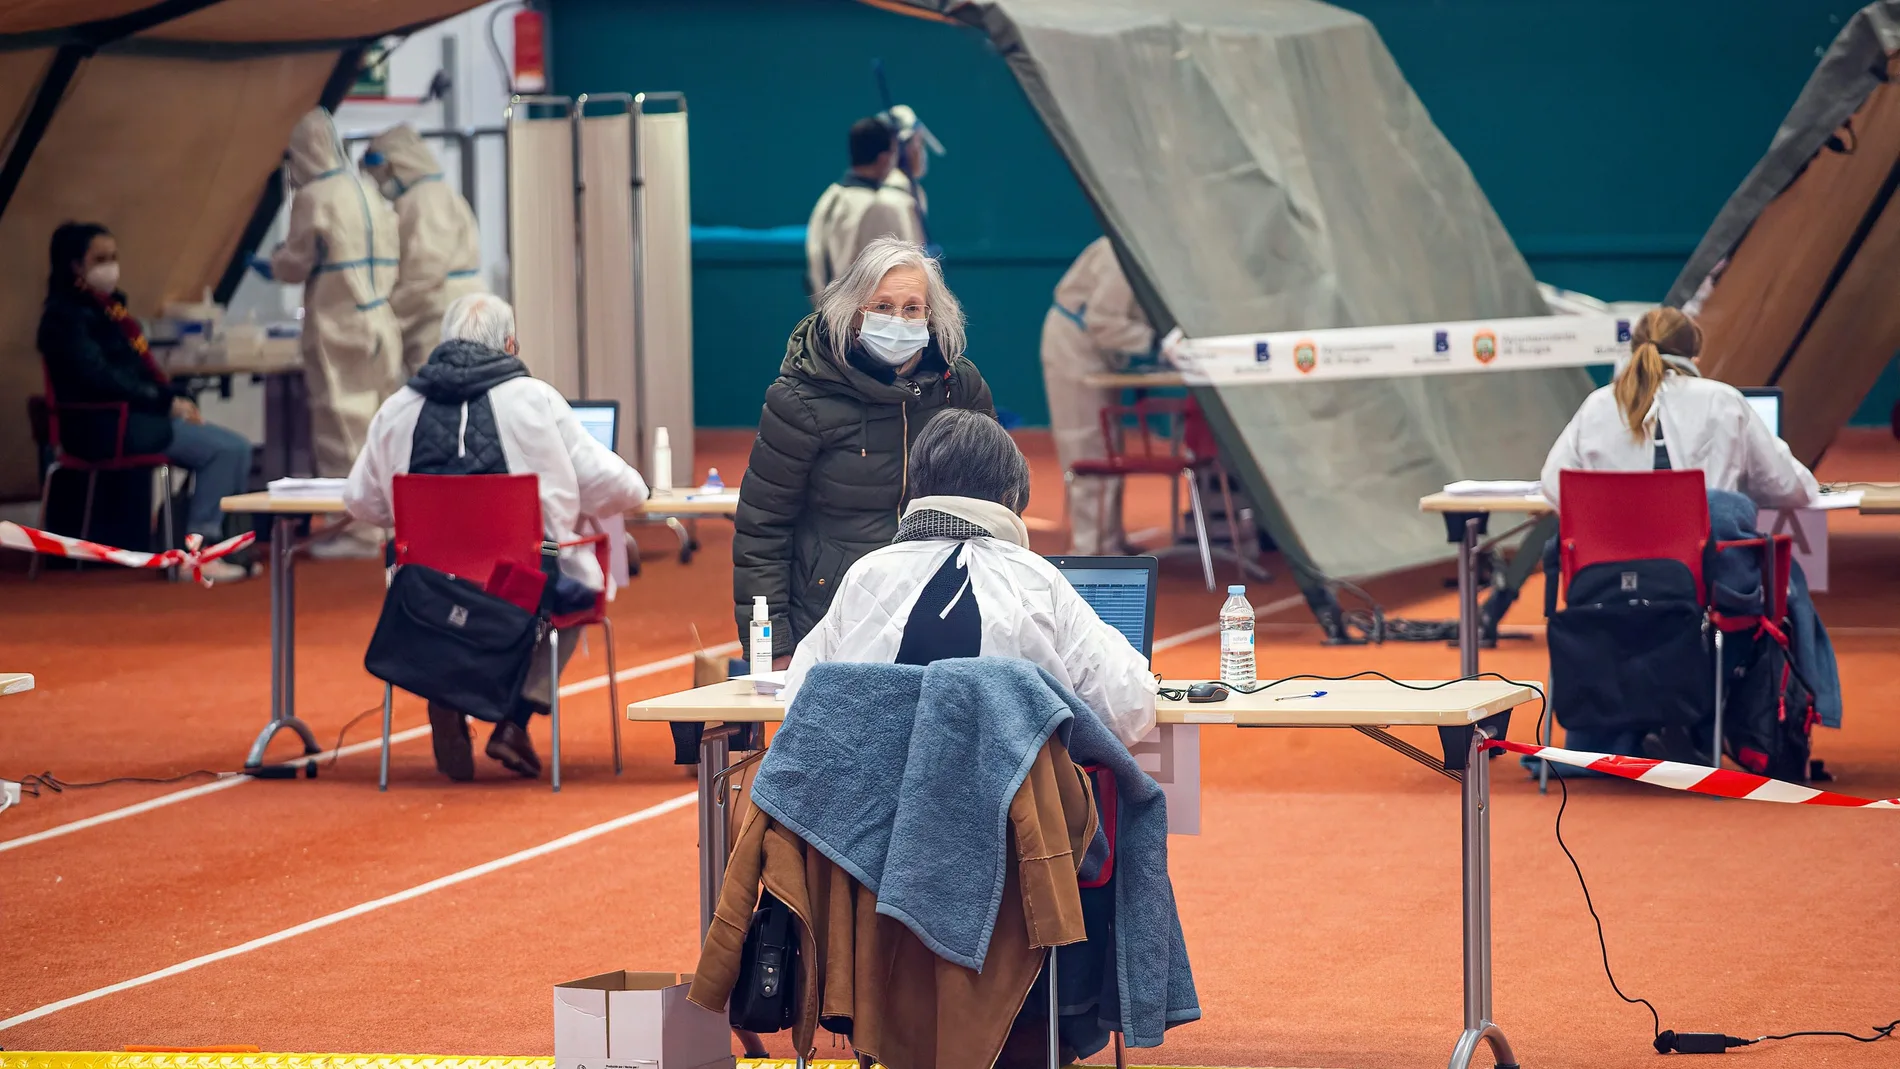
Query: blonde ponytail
{"x": 1636, "y": 386}
{"x": 1661, "y": 330}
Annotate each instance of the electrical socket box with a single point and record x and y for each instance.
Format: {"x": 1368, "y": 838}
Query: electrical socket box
{"x": 9, "y": 793}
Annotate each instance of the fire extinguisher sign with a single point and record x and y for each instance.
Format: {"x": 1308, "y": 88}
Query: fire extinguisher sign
{"x": 531, "y": 74}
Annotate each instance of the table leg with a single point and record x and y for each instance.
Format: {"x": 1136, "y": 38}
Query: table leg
{"x": 283, "y": 645}
{"x": 1468, "y": 600}
{"x": 714, "y": 750}
{"x": 1477, "y": 902}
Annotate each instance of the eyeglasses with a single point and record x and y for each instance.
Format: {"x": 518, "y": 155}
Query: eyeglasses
{"x": 911, "y": 312}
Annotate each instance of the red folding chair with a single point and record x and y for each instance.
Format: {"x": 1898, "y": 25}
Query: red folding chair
{"x": 465, "y": 525}
{"x": 119, "y": 460}
{"x": 1164, "y": 436}
{"x": 1660, "y": 515}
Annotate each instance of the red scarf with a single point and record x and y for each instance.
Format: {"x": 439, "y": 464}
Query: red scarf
{"x": 129, "y": 326}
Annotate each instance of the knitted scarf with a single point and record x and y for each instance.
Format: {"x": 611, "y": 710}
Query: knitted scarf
{"x": 128, "y": 325}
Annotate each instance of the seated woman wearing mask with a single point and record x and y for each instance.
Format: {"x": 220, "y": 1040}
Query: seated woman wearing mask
{"x": 961, "y": 581}
{"x": 861, "y": 377}
{"x": 95, "y": 353}
{"x": 1659, "y": 413}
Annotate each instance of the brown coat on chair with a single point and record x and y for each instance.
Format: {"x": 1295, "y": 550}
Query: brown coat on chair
{"x": 869, "y": 973}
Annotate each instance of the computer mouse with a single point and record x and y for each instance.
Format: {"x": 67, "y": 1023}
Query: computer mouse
{"x": 1207, "y": 692}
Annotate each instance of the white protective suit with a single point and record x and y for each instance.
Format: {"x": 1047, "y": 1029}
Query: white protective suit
{"x": 1029, "y": 611}
{"x": 441, "y": 241}
{"x": 342, "y": 246}
{"x": 853, "y": 212}
{"x": 582, "y": 482}
{"x": 1706, "y": 425}
{"x": 1094, "y": 325}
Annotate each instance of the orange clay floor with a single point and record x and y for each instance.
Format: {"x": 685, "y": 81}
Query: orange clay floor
{"x": 1321, "y": 904}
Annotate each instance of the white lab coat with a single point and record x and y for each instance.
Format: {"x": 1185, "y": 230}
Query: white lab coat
{"x": 581, "y": 481}
{"x": 1029, "y": 611}
{"x": 1094, "y": 325}
{"x": 440, "y": 240}
{"x": 852, "y": 213}
{"x": 342, "y": 246}
{"x": 1706, "y": 424}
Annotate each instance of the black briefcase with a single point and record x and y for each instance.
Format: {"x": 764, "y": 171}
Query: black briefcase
{"x": 445, "y": 639}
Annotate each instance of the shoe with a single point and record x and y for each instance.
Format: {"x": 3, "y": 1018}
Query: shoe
{"x": 352, "y": 544}
{"x": 223, "y": 571}
{"x": 454, "y": 750}
{"x": 511, "y": 746}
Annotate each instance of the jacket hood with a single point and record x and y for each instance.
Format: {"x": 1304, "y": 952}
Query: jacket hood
{"x": 460, "y": 370}
{"x": 406, "y": 157}
{"x": 315, "y": 150}
{"x": 811, "y": 356}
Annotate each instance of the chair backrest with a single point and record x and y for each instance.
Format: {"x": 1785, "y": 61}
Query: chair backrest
{"x": 466, "y": 524}
{"x": 1643, "y": 515}
{"x": 1152, "y": 427}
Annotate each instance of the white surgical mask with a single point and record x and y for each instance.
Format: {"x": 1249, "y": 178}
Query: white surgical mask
{"x": 891, "y": 339}
{"x": 103, "y": 278}
{"x": 391, "y": 188}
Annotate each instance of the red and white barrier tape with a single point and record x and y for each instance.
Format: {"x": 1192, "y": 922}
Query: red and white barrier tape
{"x": 1701, "y": 779}
{"x": 192, "y": 557}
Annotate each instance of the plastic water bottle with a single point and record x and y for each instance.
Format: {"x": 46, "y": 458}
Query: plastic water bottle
{"x": 662, "y": 462}
{"x": 713, "y": 484}
{"x": 1236, "y": 638}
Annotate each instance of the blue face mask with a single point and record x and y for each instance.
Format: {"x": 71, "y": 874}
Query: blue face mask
{"x": 891, "y": 339}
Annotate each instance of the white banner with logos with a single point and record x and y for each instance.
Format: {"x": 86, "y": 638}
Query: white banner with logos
{"x": 1411, "y": 349}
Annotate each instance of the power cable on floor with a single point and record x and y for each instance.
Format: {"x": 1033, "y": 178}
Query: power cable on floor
{"x": 1669, "y": 1041}
{"x": 38, "y": 784}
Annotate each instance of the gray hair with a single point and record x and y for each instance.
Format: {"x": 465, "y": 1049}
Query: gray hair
{"x": 849, "y": 292}
{"x": 963, "y": 453}
{"x": 482, "y": 318}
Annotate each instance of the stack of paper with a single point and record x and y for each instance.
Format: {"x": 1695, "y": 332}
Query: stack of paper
{"x": 307, "y": 489}
{"x": 767, "y": 683}
{"x": 1840, "y": 499}
{"x": 1493, "y": 488}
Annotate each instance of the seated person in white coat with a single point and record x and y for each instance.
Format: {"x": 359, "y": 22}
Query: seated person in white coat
{"x": 961, "y": 581}
{"x": 473, "y": 409}
{"x": 1659, "y": 413}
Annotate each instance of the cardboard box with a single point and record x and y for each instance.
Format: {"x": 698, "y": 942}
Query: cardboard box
{"x": 636, "y": 1020}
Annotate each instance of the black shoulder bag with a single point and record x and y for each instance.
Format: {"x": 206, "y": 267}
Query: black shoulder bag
{"x": 768, "y": 963}
{"x": 445, "y": 639}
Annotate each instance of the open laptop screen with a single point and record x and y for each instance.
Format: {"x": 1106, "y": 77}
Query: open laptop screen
{"x": 1766, "y": 401}
{"x": 1121, "y": 590}
{"x": 600, "y": 419}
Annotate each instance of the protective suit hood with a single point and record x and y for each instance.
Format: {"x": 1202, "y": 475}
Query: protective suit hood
{"x": 315, "y": 150}
{"x": 461, "y": 370}
{"x": 406, "y": 156}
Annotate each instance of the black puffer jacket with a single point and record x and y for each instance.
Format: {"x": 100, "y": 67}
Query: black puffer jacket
{"x": 88, "y": 360}
{"x": 455, "y": 431}
{"x": 826, "y": 480}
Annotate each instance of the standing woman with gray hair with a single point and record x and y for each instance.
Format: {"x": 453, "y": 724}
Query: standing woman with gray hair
{"x": 826, "y": 481}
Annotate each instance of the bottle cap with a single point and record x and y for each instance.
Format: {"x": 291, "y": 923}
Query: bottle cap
{"x": 1236, "y": 589}
{"x": 760, "y": 613}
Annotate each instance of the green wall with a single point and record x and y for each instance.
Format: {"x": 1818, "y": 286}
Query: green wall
{"x": 1606, "y": 135}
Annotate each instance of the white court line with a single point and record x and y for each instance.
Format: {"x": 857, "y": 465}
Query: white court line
{"x": 1207, "y": 630}
{"x": 188, "y": 793}
{"x": 329, "y": 919}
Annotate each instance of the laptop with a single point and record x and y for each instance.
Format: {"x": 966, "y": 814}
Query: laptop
{"x": 1121, "y": 590}
{"x": 1766, "y": 401}
{"x": 601, "y": 419}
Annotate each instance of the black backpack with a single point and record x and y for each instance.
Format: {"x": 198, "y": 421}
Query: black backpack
{"x": 1768, "y": 710}
{"x": 1630, "y": 650}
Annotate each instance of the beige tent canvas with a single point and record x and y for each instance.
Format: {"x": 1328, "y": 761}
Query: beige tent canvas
{"x": 1796, "y": 273}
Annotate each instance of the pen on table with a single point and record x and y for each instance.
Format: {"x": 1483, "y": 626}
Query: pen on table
{"x": 1290, "y": 697}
